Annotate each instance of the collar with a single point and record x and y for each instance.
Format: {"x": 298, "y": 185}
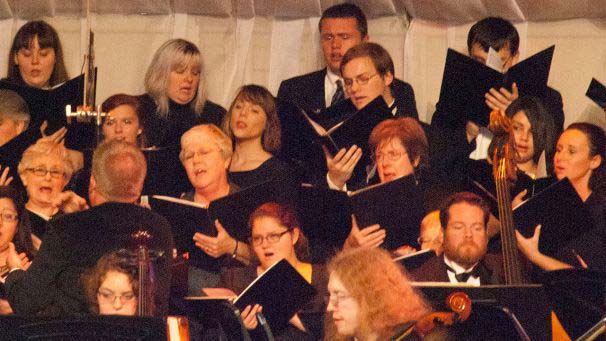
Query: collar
{"x": 333, "y": 77}
{"x": 456, "y": 267}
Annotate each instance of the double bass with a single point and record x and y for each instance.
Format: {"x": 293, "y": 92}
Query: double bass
{"x": 504, "y": 172}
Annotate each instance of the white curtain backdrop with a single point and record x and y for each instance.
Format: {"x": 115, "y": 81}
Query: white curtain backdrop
{"x": 266, "y": 41}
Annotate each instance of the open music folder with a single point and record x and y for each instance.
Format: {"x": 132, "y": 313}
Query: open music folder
{"x": 280, "y": 290}
{"x": 397, "y": 206}
{"x": 465, "y": 82}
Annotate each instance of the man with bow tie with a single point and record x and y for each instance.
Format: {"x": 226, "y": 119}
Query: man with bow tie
{"x": 464, "y": 217}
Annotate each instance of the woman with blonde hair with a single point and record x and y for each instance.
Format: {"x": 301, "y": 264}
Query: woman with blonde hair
{"x": 45, "y": 168}
{"x": 175, "y": 98}
{"x": 370, "y": 296}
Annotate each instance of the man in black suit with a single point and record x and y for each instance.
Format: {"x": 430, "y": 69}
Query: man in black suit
{"x": 341, "y": 27}
{"x": 74, "y": 242}
{"x": 463, "y": 217}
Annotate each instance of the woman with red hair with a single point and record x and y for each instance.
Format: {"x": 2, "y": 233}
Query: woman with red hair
{"x": 370, "y": 296}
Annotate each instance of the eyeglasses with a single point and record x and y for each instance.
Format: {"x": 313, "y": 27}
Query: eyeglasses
{"x": 361, "y": 80}
{"x": 39, "y": 171}
{"x": 391, "y": 155}
{"x": 9, "y": 216}
{"x": 271, "y": 238}
{"x": 335, "y": 299}
{"x": 110, "y": 297}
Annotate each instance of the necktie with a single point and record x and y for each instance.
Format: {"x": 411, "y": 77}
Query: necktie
{"x": 463, "y": 277}
{"x": 339, "y": 94}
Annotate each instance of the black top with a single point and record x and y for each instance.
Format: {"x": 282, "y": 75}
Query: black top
{"x": 167, "y": 131}
{"x": 37, "y": 223}
{"x": 74, "y": 243}
{"x": 272, "y": 169}
{"x": 591, "y": 245}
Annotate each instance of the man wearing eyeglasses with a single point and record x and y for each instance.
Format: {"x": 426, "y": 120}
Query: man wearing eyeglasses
{"x": 74, "y": 242}
{"x": 341, "y": 27}
{"x": 368, "y": 73}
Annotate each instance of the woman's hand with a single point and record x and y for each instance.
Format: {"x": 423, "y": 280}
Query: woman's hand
{"x": 371, "y": 236}
{"x": 15, "y": 260}
{"x": 341, "y": 166}
{"x": 5, "y": 180}
{"x": 249, "y": 316}
{"x": 217, "y": 246}
{"x": 530, "y": 248}
{"x": 5, "y": 308}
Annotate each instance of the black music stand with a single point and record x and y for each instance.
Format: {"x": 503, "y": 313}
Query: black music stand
{"x": 82, "y": 328}
{"x": 499, "y": 312}
{"x": 577, "y": 297}
{"x": 217, "y": 317}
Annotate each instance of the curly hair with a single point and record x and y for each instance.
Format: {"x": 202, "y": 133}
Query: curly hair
{"x": 380, "y": 286}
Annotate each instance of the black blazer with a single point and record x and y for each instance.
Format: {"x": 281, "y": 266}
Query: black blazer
{"x": 73, "y": 243}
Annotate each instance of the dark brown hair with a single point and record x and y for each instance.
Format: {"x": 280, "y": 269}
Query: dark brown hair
{"x": 47, "y": 38}
{"x": 463, "y": 197}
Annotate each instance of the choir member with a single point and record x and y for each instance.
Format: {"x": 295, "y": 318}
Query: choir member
{"x": 44, "y": 169}
{"x": 275, "y": 235}
{"x": 206, "y": 154}
{"x": 176, "y": 98}
{"x": 112, "y": 286}
{"x": 15, "y": 229}
{"x": 36, "y": 57}
{"x": 579, "y": 156}
{"x": 253, "y": 125}
{"x": 370, "y": 296}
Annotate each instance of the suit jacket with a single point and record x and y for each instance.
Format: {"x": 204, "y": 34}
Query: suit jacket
{"x": 434, "y": 270}
{"x": 307, "y": 93}
{"x": 73, "y": 243}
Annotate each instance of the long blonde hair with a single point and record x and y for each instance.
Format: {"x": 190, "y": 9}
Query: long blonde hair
{"x": 170, "y": 56}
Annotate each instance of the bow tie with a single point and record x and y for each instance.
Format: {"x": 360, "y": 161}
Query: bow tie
{"x": 464, "y": 276}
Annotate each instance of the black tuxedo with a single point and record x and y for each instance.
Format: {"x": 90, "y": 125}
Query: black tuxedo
{"x": 435, "y": 270}
{"x": 307, "y": 93}
{"x": 72, "y": 244}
